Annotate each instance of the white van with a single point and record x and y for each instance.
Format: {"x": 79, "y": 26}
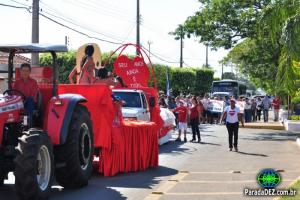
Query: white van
{"x": 136, "y": 105}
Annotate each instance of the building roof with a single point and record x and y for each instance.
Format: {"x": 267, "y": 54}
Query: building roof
{"x": 18, "y": 59}
{"x": 33, "y": 48}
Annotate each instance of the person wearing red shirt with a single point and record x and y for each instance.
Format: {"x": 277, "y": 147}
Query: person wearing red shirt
{"x": 29, "y": 88}
{"x": 276, "y": 107}
{"x": 195, "y": 112}
{"x": 182, "y": 120}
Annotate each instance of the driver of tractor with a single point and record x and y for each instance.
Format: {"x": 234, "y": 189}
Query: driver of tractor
{"x": 29, "y": 88}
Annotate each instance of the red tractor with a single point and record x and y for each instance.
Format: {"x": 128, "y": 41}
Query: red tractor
{"x": 61, "y": 142}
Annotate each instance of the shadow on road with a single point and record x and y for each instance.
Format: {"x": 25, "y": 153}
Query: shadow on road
{"x": 209, "y": 143}
{"x": 252, "y": 154}
{"x": 271, "y": 137}
{"x": 173, "y": 147}
{"x": 207, "y": 135}
{"x": 101, "y": 187}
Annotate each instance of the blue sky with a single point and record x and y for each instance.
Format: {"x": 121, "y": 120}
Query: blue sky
{"x": 112, "y": 20}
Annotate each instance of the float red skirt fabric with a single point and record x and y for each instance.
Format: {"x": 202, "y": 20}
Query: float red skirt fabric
{"x": 134, "y": 148}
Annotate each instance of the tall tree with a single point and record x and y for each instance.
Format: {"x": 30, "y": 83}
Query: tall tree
{"x": 222, "y": 23}
{"x": 257, "y": 60}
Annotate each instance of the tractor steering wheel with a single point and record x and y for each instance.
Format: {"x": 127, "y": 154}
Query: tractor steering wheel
{"x": 9, "y": 91}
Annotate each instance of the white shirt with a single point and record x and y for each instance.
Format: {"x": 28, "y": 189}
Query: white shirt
{"x": 205, "y": 103}
{"x": 247, "y": 105}
{"x": 232, "y": 114}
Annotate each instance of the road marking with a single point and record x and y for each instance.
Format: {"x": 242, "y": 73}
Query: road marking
{"x": 230, "y": 172}
{"x": 232, "y": 181}
{"x": 178, "y": 178}
{"x": 241, "y": 172}
{"x": 164, "y": 188}
{"x": 204, "y": 193}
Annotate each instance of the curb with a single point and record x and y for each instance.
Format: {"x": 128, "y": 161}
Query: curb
{"x": 298, "y": 141}
{"x": 290, "y": 185}
{"x": 264, "y": 127}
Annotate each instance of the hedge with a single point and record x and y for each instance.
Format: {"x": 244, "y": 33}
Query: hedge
{"x": 182, "y": 80}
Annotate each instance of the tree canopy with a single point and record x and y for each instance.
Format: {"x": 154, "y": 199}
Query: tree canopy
{"x": 263, "y": 35}
{"x": 222, "y": 23}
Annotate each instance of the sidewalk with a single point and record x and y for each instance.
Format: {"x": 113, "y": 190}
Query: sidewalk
{"x": 271, "y": 125}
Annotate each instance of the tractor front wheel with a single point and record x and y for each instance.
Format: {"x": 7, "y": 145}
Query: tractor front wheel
{"x": 77, "y": 152}
{"x": 34, "y": 166}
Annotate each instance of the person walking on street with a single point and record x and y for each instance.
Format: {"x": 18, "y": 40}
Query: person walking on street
{"x": 232, "y": 115}
{"x": 276, "y": 107}
{"x": 253, "y": 110}
{"x": 248, "y": 111}
{"x": 259, "y": 107}
{"x": 182, "y": 120}
{"x": 266, "y": 106}
{"x": 195, "y": 112}
{"x": 206, "y": 111}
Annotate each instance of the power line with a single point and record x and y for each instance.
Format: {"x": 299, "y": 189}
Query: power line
{"x": 95, "y": 10}
{"x": 77, "y": 31}
{"x": 61, "y": 24}
{"x": 20, "y": 3}
{"x": 110, "y": 9}
{"x": 19, "y": 7}
{"x": 159, "y": 57}
{"x": 187, "y": 65}
{"x": 82, "y": 33}
{"x": 128, "y": 34}
{"x": 80, "y": 26}
{"x": 61, "y": 16}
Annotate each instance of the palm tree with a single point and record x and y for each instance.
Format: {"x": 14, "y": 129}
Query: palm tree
{"x": 281, "y": 22}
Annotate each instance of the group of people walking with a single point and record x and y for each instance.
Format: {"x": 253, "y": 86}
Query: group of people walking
{"x": 256, "y": 107}
{"x": 188, "y": 112}
{"x": 192, "y": 110}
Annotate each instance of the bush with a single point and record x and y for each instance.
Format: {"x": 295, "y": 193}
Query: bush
{"x": 182, "y": 80}
{"x": 65, "y": 62}
{"x": 295, "y": 117}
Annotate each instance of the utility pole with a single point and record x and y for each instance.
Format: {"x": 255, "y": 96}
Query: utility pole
{"x": 181, "y": 46}
{"x": 137, "y": 25}
{"x": 206, "y": 60}
{"x": 149, "y": 45}
{"x": 67, "y": 41}
{"x": 222, "y": 71}
{"x": 35, "y": 30}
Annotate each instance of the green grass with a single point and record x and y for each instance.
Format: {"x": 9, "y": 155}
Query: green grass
{"x": 295, "y": 186}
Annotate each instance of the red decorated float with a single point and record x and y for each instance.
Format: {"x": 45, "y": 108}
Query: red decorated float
{"x": 73, "y": 124}
{"x": 136, "y": 76}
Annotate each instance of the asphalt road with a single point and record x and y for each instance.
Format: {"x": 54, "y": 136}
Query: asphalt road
{"x": 202, "y": 171}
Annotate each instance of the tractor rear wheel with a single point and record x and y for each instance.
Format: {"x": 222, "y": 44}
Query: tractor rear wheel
{"x": 77, "y": 152}
{"x": 34, "y": 166}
